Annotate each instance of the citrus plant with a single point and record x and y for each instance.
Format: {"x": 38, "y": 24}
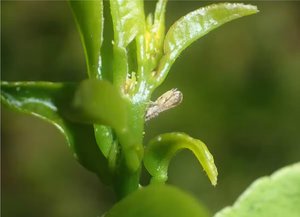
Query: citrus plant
{"x": 128, "y": 56}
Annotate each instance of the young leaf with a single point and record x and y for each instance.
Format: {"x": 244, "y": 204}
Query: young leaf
{"x": 154, "y": 37}
{"x": 89, "y": 19}
{"x": 104, "y": 138}
{"x": 128, "y": 20}
{"x": 162, "y": 149}
{"x": 159, "y": 21}
{"x": 195, "y": 25}
{"x": 47, "y": 100}
{"x": 158, "y": 201}
{"x": 277, "y": 195}
{"x": 158, "y": 31}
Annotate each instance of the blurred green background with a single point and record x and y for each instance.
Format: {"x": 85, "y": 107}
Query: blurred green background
{"x": 241, "y": 86}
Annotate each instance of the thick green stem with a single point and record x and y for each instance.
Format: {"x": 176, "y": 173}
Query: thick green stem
{"x": 125, "y": 181}
{"x": 127, "y": 176}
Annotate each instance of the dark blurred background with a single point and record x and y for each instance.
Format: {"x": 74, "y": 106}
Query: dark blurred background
{"x": 241, "y": 86}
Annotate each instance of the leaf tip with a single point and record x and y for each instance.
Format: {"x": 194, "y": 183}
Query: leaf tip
{"x": 213, "y": 176}
{"x": 214, "y": 182}
{"x": 252, "y": 9}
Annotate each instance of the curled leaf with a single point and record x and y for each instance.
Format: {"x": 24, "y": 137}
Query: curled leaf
{"x": 47, "y": 100}
{"x": 195, "y": 25}
{"x": 163, "y": 148}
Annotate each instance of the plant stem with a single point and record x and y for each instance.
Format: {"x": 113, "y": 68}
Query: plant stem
{"x": 125, "y": 181}
{"x": 127, "y": 175}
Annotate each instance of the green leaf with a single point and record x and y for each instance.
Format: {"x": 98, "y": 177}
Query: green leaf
{"x": 128, "y": 20}
{"x": 104, "y": 138}
{"x": 159, "y": 21}
{"x": 120, "y": 67}
{"x": 150, "y": 44}
{"x": 89, "y": 19}
{"x": 158, "y": 201}
{"x": 98, "y": 101}
{"x": 47, "y": 100}
{"x": 162, "y": 149}
{"x": 195, "y": 25}
{"x": 274, "y": 196}
{"x": 158, "y": 30}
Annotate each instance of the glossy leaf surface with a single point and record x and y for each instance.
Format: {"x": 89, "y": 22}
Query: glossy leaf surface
{"x": 158, "y": 27}
{"x": 158, "y": 201}
{"x": 128, "y": 20}
{"x": 104, "y": 138}
{"x": 274, "y": 196}
{"x": 195, "y": 25}
{"x": 48, "y": 100}
{"x": 163, "y": 148}
{"x": 89, "y": 19}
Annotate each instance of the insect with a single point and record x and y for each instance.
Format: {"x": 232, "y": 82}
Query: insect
{"x": 166, "y": 101}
